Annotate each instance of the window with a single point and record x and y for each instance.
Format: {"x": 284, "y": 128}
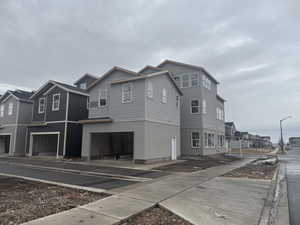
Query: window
{"x": 164, "y": 98}
{"x": 185, "y": 81}
{"x": 103, "y": 98}
{"x": 195, "y": 140}
{"x": 127, "y": 93}
{"x": 204, "y": 107}
{"x": 221, "y": 140}
{"x": 41, "y": 108}
{"x": 177, "y": 79}
{"x": 177, "y": 101}
{"x": 206, "y": 82}
{"x": 1, "y": 110}
{"x": 55, "y": 102}
{"x": 150, "y": 89}
{"x": 194, "y": 80}
{"x": 83, "y": 85}
{"x": 10, "y": 108}
{"x": 209, "y": 140}
{"x": 88, "y": 104}
{"x": 220, "y": 114}
{"x": 195, "y": 106}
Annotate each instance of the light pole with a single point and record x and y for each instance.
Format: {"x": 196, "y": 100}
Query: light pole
{"x": 281, "y": 133}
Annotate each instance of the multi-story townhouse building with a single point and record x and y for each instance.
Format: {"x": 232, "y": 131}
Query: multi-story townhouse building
{"x": 15, "y": 115}
{"x": 133, "y": 115}
{"x": 55, "y": 130}
{"x": 202, "y": 109}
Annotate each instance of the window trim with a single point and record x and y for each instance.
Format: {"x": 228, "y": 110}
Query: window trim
{"x": 186, "y": 74}
{"x": 53, "y": 96}
{"x": 80, "y": 86}
{"x": 192, "y": 144}
{"x": 39, "y": 106}
{"x": 131, "y": 93}
{"x": 106, "y": 98}
{"x": 149, "y": 89}
{"x": 199, "y": 106}
{"x": 164, "y": 96}
{"x": 206, "y": 145}
{"x": 2, "y": 109}
{"x": 10, "y": 108}
{"x": 204, "y": 106}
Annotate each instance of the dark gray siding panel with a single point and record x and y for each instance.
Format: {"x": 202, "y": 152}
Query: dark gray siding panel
{"x": 61, "y": 113}
{"x": 74, "y": 137}
{"x": 77, "y": 107}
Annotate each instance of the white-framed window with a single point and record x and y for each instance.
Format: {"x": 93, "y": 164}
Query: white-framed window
{"x": 103, "y": 98}
{"x": 83, "y": 85}
{"x": 221, "y": 140}
{"x": 10, "y": 108}
{"x": 206, "y": 82}
{"x": 1, "y": 110}
{"x": 55, "y": 102}
{"x": 41, "y": 108}
{"x": 88, "y": 104}
{"x": 149, "y": 89}
{"x": 195, "y": 139}
{"x": 204, "y": 107}
{"x": 194, "y": 80}
{"x": 195, "y": 106}
{"x": 185, "y": 81}
{"x": 177, "y": 101}
{"x": 127, "y": 93}
{"x": 220, "y": 114}
{"x": 209, "y": 140}
{"x": 164, "y": 97}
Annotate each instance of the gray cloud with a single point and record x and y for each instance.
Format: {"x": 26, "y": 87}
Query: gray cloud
{"x": 252, "y": 47}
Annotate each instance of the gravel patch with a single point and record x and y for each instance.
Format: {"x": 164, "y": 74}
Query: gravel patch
{"x": 155, "y": 216}
{"x": 23, "y": 200}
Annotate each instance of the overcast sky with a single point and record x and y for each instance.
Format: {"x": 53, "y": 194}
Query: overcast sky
{"x": 251, "y": 47}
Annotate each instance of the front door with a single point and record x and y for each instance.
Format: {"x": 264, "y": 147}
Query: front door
{"x": 173, "y": 148}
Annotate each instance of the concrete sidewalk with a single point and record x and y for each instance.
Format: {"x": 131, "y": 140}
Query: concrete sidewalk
{"x": 176, "y": 193}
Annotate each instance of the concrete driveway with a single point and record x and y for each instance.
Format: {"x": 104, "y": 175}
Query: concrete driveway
{"x": 95, "y": 177}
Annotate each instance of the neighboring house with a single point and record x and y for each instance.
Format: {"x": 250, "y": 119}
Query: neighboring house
{"x": 15, "y": 115}
{"x": 85, "y": 81}
{"x": 133, "y": 115}
{"x": 55, "y": 129}
{"x": 202, "y": 109}
{"x": 230, "y": 130}
{"x": 294, "y": 142}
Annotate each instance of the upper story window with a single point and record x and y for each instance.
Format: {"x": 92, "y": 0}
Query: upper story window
{"x": 10, "y": 108}
{"x": 204, "y": 107}
{"x": 103, "y": 98}
{"x": 127, "y": 92}
{"x": 190, "y": 80}
{"x": 195, "y": 106}
{"x": 220, "y": 114}
{"x": 206, "y": 82}
{"x": 149, "y": 89}
{"x": 195, "y": 139}
{"x": 177, "y": 101}
{"x": 41, "y": 108}
{"x": 83, "y": 85}
{"x": 1, "y": 110}
{"x": 164, "y": 98}
{"x": 55, "y": 102}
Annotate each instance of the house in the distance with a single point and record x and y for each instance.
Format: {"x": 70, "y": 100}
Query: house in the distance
{"x": 15, "y": 115}
{"x": 55, "y": 130}
{"x": 85, "y": 81}
{"x": 294, "y": 142}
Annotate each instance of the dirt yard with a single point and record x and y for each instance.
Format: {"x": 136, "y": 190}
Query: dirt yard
{"x": 198, "y": 163}
{"x": 252, "y": 151}
{"x": 254, "y": 170}
{"x": 22, "y": 200}
{"x": 155, "y": 216}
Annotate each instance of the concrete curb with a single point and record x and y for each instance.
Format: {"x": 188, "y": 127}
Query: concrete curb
{"x": 269, "y": 215}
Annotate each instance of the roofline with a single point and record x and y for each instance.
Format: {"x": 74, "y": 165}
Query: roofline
{"x": 58, "y": 85}
{"x": 85, "y": 75}
{"x": 2, "y": 100}
{"x": 109, "y": 72}
{"x": 189, "y": 65}
{"x": 164, "y": 72}
{"x": 220, "y": 98}
{"x": 152, "y": 67}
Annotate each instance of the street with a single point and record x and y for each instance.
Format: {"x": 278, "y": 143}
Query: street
{"x": 292, "y": 160}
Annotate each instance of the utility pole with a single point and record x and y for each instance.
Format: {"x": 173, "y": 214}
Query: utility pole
{"x": 281, "y": 133}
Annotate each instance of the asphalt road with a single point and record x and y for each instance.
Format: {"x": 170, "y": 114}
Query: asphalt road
{"x": 87, "y": 176}
{"x": 293, "y": 181}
